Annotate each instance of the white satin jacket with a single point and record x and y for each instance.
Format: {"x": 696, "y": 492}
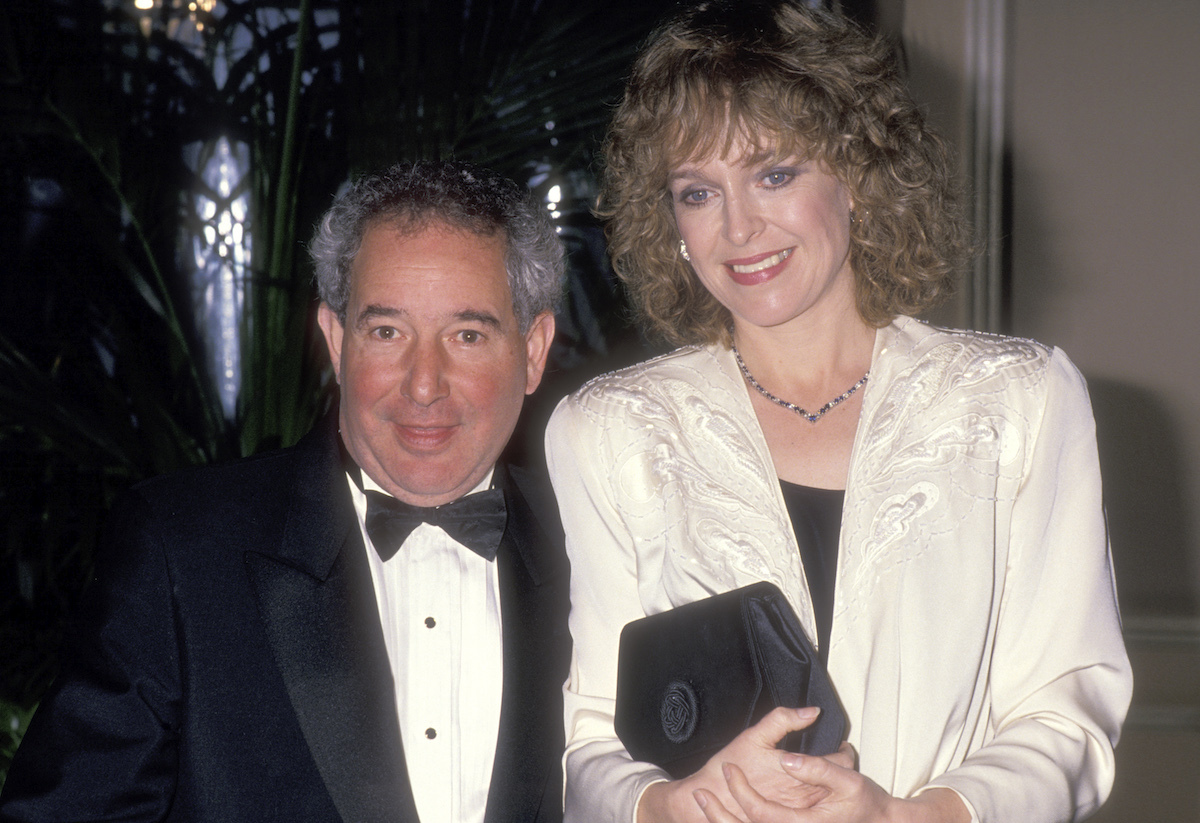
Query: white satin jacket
{"x": 976, "y": 643}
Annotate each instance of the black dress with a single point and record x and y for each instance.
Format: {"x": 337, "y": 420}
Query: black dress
{"x": 817, "y": 520}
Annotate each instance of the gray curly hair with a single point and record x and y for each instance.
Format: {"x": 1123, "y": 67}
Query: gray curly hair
{"x": 462, "y": 195}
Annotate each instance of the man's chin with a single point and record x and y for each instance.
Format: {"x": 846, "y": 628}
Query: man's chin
{"x": 426, "y": 485}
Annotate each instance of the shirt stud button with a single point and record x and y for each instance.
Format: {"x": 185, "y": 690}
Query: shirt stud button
{"x": 430, "y": 622}
{"x": 431, "y": 733}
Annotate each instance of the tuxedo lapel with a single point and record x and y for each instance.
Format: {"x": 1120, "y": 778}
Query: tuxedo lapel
{"x": 317, "y": 602}
{"x": 526, "y": 776}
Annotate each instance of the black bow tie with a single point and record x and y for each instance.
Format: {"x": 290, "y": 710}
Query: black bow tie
{"x": 476, "y": 521}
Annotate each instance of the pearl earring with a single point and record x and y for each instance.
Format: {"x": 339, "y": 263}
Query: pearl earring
{"x": 683, "y": 251}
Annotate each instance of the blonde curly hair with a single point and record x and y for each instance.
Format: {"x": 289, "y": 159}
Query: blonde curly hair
{"x": 791, "y": 81}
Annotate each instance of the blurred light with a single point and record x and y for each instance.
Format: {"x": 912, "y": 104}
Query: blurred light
{"x": 555, "y": 193}
{"x": 222, "y": 251}
{"x": 143, "y": 5}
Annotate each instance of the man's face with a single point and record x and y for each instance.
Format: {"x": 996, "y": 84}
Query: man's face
{"x": 432, "y": 366}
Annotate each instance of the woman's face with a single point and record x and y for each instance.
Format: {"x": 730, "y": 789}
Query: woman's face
{"x": 769, "y": 238}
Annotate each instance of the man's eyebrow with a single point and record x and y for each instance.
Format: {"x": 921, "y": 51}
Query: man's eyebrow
{"x": 479, "y": 316}
{"x": 374, "y": 310}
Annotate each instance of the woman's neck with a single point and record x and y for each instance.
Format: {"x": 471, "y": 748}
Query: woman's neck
{"x": 808, "y": 357}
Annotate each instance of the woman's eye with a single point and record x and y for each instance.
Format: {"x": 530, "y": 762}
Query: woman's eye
{"x": 694, "y": 196}
{"x": 774, "y": 179}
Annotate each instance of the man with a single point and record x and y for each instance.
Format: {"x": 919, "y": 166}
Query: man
{"x": 278, "y": 638}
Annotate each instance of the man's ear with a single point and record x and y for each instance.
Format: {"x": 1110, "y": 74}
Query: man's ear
{"x": 331, "y": 327}
{"x": 537, "y": 349}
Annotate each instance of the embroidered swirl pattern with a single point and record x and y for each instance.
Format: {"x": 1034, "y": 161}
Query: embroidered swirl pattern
{"x": 934, "y": 436}
{"x": 942, "y": 434}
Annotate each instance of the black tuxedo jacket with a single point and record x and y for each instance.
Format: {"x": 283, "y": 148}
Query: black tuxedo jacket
{"x": 229, "y": 663}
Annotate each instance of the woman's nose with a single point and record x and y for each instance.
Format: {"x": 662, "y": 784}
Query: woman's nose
{"x": 742, "y": 220}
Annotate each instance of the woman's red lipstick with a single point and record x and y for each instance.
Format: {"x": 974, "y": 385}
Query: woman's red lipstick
{"x": 751, "y": 271}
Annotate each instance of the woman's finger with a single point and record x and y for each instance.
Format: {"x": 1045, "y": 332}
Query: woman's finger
{"x": 713, "y": 811}
{"x": 780, "y": 721}
{"x": 816, "y": 771}
{"x": 756, "y": 807}
{"x": 845, "y": 757}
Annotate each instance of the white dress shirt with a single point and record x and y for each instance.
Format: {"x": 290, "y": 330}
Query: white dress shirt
{"x": 439, "y": 605}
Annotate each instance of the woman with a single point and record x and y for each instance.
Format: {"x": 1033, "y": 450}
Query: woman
{"x": 929, "y": 501}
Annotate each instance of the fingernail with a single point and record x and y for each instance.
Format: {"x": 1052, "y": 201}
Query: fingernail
{"x": 725, "y": 770}
{"x": 810, "y": 711}
{"x": 701, "y": 799}
{"x": 791, "y": 761}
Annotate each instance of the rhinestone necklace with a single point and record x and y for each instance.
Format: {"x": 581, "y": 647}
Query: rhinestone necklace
{"x": 811, "y": 417}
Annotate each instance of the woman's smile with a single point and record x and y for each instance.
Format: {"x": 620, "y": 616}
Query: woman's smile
{"x": 759, "y": 269}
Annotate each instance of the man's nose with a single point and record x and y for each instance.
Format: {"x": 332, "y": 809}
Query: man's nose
{"x": 425, "y": 383}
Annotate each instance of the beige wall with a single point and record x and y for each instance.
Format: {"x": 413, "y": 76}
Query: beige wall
{"x": 1101, "y": 114}
{"x": 1100, "y": 103}
{"x": 1105, "y": 143}
{"x": 1105, "y": 118}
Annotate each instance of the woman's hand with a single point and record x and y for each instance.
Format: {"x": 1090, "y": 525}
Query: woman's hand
{"x": 849, "y": 797}
{"x": 757, "y": 760}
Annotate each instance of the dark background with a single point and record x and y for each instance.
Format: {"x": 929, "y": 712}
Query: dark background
{"x": 108, "y": 114}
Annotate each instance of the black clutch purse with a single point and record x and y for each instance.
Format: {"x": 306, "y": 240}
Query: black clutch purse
{"x": 691, "y": 679}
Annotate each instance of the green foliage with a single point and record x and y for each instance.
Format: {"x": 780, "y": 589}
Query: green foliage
{"x": 14, "y": 719}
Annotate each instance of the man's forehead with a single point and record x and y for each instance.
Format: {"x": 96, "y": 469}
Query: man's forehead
{"x": 407, "y": 241}
{"x": 438, "y": 270}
